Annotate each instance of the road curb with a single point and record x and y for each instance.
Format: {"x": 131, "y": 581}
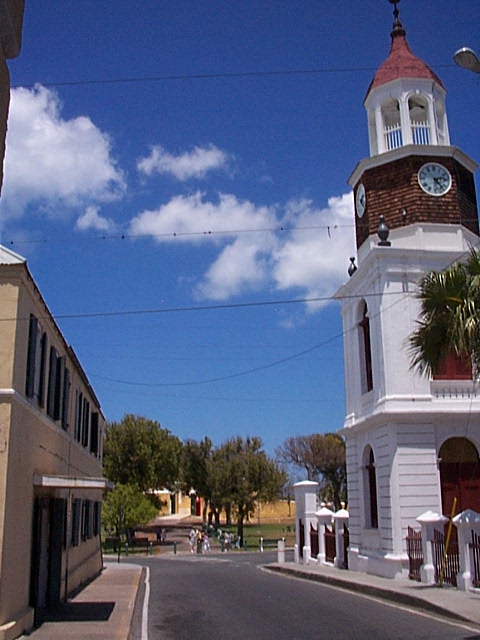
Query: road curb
{"x": 377, "y": 592}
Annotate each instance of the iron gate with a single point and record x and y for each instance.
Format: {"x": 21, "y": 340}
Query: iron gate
{"x": 415, "y": 553}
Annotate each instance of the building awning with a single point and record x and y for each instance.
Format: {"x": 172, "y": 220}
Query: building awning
{"x": 69, "y": 482}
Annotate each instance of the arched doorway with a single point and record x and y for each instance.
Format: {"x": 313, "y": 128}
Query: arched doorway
{"x": 459, "y": 475}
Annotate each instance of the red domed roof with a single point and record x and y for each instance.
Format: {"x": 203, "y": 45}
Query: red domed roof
{"x": 401, "y": 62}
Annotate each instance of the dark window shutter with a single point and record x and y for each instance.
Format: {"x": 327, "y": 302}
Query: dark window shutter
{"x": 59, "y": 388}
{"x": 78, "y": 415}
{"x": 76, "y": 510}
{"x": 85, "y": 519}
{"x": 86, "y": 421}
{"x": 90, "y": 519}
{"x": 94, "y": 432}
{"x": 52, "y": 382}
{"x": 66, "y": 399}
{"x": 31, "y": 357}
{"x": 96, "y": 517}
{"x": 43, "y": 370}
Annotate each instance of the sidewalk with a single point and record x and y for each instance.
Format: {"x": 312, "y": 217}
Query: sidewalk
{"x": 103, "y": 609}
{"x": 447, "y": 602}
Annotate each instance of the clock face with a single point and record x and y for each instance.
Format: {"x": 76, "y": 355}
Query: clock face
{"x": 360, "y": 200}
{"x": 434, "y": 179}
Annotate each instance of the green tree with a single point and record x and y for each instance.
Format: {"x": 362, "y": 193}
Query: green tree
{"x": 139, "y": 451}
{"x": 322, "y": 457}
{"x": 244, "y": 475}
{"x": 195, "y": 465}
{"x": 449, "y": 317}
{"x": 126, "y": 507}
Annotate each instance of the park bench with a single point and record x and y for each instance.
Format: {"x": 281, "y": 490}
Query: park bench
{"x": 141, "y": 541}
{"x": 112, "y": 541}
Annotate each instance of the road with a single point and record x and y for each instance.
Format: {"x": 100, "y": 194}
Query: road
{"x": 230, "y": 597}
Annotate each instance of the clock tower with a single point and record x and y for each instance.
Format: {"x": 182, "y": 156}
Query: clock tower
{"x": 415, "y": 211}
{"x": 413, "y": 174}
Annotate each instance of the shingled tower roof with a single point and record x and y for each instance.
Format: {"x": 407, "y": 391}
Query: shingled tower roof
{"x": 401, "y": 62}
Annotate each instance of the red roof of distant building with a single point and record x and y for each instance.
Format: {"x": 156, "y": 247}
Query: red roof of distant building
{"x": 401, "y": 62}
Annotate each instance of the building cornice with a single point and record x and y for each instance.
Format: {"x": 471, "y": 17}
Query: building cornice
{"x": 69, "y": 482}
{"x": 403, "y": 409}
{"x": 411, "y": 150}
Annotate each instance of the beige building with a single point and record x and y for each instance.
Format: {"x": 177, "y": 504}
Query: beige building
{"x": 51, "y": 484}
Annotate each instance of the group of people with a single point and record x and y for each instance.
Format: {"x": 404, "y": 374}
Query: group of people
{"x": 199, "y": 541}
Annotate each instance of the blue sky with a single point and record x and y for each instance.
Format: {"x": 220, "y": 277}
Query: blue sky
{"x": 176, "y": 176}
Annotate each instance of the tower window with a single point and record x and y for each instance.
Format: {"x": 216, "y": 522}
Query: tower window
{"x": 371, "y": 493}
{"x": 392, "y": 127}
{"x": 366, "y": 351}
{"x": 418, "y": 111}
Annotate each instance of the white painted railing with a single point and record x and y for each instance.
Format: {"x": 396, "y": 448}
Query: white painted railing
{"x": 447, "y": 389}
{"x": 420, "y": 133}
{"x": 393, "y": 136}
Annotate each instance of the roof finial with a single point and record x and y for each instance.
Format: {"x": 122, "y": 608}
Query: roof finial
{"x": 395, "y": 11}
{"x": 397, "y": 25}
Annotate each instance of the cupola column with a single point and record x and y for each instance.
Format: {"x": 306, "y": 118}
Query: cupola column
{"x": 380, "y": 129}
{"x": 405, "y": 120}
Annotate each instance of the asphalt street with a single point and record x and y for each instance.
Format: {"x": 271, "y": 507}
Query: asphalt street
{"x": 231, "y": 596}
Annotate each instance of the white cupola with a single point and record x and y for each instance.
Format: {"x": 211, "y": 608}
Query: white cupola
{"x": 405, "y": 102}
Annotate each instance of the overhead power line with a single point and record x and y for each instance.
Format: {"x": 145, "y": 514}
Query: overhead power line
{"x": 210, "y": 76}
{"x": 183, "y": 234}
{"x": 239, "y": 374}
{"x": 245, "y": 372}
{"x": 208, "y": 307}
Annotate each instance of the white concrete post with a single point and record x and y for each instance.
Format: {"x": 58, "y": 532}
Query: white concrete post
{"x": 429, "y": 522}
{"x": 324, "y": 517}
{"x": 305, "y": 507}
{"x": 465, "y": 522}
{"x": 341, "y": 519}
{"x": 281, "y": 551}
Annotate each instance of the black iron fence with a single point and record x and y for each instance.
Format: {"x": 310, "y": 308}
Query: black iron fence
{"x": 446, "y": 561}
{"x": 475, "y": 547}
{"x": 314, "y": 546}
{"x": 415, "y": 553}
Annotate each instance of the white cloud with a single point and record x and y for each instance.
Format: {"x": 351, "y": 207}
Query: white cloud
{"x": 314, "y": 257}
{"x": 191, "y": 164}
{"x": 92, "y": 220}
{"x": 308, "y": 256}
{"x": 191, "y": 218}
{"x": 242, "y": 266}
{"x": 53, "y": 162}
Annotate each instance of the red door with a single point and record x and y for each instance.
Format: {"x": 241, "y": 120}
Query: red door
{"x": 460, "y": 479}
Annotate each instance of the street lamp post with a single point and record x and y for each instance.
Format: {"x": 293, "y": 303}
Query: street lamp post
{"x": 467, "y": 59}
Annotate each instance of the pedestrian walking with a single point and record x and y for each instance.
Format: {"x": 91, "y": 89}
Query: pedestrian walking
{"x": 206, "y": 543}
{"x": 192, "y": 538}
{"x": 198, "y": 536}
{"x": 228, "y": 541}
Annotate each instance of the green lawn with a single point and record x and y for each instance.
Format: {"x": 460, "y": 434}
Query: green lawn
{"x": 253, "y": 532}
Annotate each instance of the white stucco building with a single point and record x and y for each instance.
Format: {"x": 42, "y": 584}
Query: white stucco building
{"x": 412, "y": 442}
